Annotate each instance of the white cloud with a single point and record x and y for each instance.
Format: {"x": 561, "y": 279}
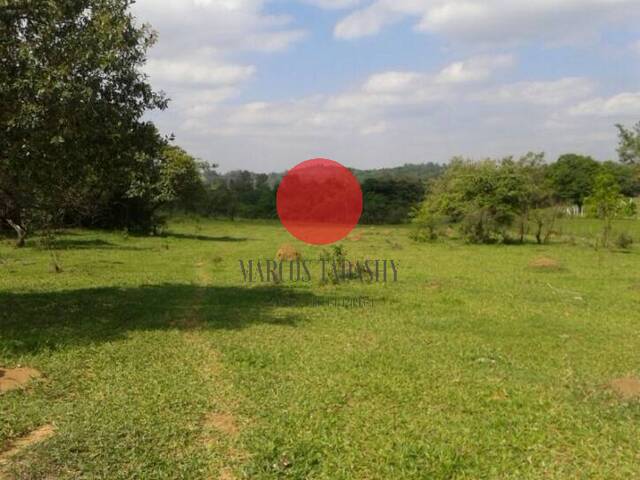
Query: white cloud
{"x": 333, "y": 4}
{"x": 397, "y": 114}
{"x": 401, "y": 87}
{"x": 372, "y": 108}
{"x": 554, "y": 92}
{"x": 221, "y": 25}
{"x": 475, "y": 69}
{"x": 197, "y": 72}
{"x": 623, "y": 104}
{"x": 370, "y": 20}
{"x": 193, "y": 61}
{"x": 392, "y": 82}
{"x": 503, "y": 21}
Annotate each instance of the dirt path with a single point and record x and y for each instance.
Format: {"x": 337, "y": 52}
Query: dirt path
{"x": 220, "y": 427}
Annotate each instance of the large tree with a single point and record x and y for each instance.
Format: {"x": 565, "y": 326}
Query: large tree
{"x": 572, "y": 177}
{"x": 72, "y": 97}
{"x": 484, "y": 198}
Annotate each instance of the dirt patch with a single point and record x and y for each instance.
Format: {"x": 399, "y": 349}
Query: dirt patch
{"x": 227, "y": 474}
{"x": 433, "y": 285}
{"x": 37, "y": 436}
{"x": 223, "y": 423}
{"x": 545, "y": 263}
{"x": 288, "y": 253}
{"x": 14, "y": 378}
{"x": 626, "y": 388}
{"x": 355, "y": 237}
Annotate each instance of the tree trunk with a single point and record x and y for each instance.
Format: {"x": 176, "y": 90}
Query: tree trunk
{"x": 539, "y": 233}
{"x": 20, "y": 231}
{"x": 522, "y": 230}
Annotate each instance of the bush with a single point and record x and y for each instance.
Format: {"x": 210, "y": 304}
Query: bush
{"x": 629, "y": 208}
{"x": 624, "y": 241}
{"x": 426, "y": 227}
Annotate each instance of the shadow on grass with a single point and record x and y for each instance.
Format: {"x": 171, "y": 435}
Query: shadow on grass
{"x": 204, "y": 238}
{"x": 32, "y": 322}
{"x": 79, "y": 244}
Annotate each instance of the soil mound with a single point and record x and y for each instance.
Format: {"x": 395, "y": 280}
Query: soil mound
{"x": 14, "y": 378}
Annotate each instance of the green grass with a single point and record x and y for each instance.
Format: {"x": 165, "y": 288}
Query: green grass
{"x": 473, "y": 365}
{"x": 586, "y": 229}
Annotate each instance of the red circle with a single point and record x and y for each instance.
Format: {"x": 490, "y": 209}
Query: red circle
{"x": 319, "y": 201}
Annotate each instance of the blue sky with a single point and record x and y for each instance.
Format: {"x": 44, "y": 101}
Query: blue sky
{"x": 264, "y": 85}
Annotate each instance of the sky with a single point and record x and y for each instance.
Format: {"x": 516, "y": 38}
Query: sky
{"x": 265, "y": 84}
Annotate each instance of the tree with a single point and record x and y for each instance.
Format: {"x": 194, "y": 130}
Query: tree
{"x": 487, "y": 198}
{"x": 221, "y": 201}
{"x": 535, "y": 204}
{"x": 627, "y": 176}
{"x": 606, "y": 202}
{"x": 389, "y": 200}
{"x": 483, "y": 198}
{"x": 181, "y": 179}
{"x": 629, "y": 144}
{"x": 174, "y": 179}
{"x": 572, "y": 178}
{"x": 71, "y": 102}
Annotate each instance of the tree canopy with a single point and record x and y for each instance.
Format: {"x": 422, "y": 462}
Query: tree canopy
{"x": 572, "y": 177}
{"x": 72, "y": 97}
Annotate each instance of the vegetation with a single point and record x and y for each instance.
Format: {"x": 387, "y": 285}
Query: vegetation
{"x": 495, "y": 200}
{"x": 390, "y": 201}
{"x": 159, "y": 361}
{"x": 72, "y": 94}
{"x": 572, "y": 178}
{"x": 486, "y": 199}
{"x": 606, "y": 203}
{"x": 409, "y": 171}
{"x": 629, "y": 148}
{"x": 389, "y": 194}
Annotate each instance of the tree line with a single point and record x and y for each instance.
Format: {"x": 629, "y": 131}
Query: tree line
{"x": 77, "y": 150}
{"x": 389, "y": 195}
{"x": 504, "y": 200}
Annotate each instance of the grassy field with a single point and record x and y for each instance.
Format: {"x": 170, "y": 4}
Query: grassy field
{"x": 159, "y": 362}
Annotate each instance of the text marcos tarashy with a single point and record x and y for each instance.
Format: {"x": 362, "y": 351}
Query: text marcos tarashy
{"x": 369, "y": 271}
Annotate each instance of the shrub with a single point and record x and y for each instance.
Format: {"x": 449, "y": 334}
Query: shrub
{"x": 624, "y": 241}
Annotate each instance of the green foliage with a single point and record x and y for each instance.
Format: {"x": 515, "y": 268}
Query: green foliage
{"x": 572, "y": 178}
{"x": 427, "y": 224}
{"x": 484, "y": 198}
{"x": 543, "y": 221}
{"x": 410, "y": 172}
{"x": 389, "y": 201}
{"x": 629, "y": 146}
{"x": 335, "y": 255}
{"x": 624, "y": 241}
{"x": 241, "y": 194}
{"x": 72, "y": 96}
{"x": 629, "y": 208}
{"x": 606, "y": 202}
{"x": 181, "y": 181}
{"x": 627, "y": 176}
